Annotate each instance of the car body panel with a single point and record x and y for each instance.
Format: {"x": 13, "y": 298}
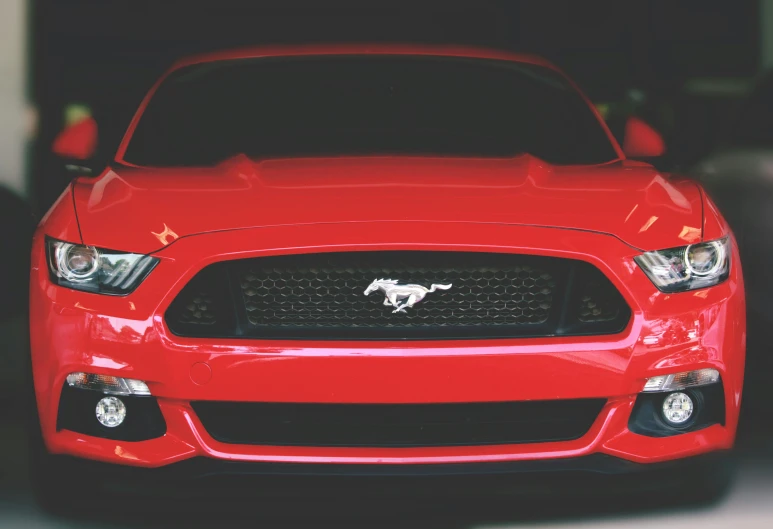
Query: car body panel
{"x": 128, "y": 336}
{"x": 61, "y": 220}
{"x": 739, "y": 182}
{"x": 189, "y": 218}
{"x": 147, "y": 209}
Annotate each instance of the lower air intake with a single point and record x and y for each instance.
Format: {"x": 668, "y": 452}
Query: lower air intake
{"x": 397, "y": 425}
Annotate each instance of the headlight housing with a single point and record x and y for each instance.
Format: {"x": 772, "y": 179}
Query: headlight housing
{"x": 95, "y": 269}
{"x": 690, "y": 267}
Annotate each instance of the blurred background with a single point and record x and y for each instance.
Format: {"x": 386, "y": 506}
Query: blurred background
{"x": 696, "y": 71}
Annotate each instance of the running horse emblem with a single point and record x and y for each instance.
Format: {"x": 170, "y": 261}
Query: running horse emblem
{"x": 402, "y": 297}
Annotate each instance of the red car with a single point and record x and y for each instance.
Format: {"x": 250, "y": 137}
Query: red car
{"x": 383, "y": 260}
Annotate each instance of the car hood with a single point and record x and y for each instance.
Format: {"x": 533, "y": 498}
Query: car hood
{"x": 143, "y": 209}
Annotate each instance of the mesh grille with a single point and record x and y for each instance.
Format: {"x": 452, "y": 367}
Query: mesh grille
{"x": 599, "y": 300}
{"x": 474, "y": 295}
{"x": 198, "y": 310}
{"x": 332, "y": 295}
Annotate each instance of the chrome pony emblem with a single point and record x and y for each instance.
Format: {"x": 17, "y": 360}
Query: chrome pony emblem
{"x": 402, "y": 297}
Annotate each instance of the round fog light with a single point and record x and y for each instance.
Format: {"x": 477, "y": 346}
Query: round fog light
{"x": 677, "y": 408}
{"x": 111, "y": 412}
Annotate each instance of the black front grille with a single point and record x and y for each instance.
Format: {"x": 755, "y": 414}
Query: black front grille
{"x": 322, "y": 296}
{"x": 397, "y": 425}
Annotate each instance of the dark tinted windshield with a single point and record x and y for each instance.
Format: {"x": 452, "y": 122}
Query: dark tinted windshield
{"x": 355, "y": 105}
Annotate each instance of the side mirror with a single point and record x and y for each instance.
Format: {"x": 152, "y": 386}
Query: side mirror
{"x": 640, "y": 140}
{"x": 77, "y": 145}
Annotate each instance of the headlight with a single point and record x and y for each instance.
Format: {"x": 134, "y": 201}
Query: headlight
{"x": 95, "y": 269}
{"x": 689, "y": 267}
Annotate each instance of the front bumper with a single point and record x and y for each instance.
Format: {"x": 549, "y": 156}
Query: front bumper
{"x": 74, "y": 331}
{"x": 209, "y": 477}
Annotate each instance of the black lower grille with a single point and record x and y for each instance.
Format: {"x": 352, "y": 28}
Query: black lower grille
{"x": 397, "y": 425}
{"x": 456, "y": 295}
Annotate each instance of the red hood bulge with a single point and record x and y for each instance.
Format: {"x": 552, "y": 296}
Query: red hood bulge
{"x": 143, "y": 209}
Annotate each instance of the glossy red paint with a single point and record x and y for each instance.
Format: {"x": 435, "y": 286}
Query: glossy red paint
{"x": 641, "y": 140}
{"x": 605, "y": 215}
{"x": 78, "y": 141}
{"x": 640, "y": 206}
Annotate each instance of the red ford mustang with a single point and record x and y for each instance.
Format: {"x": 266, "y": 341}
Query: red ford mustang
{"x": 382, "y": 260}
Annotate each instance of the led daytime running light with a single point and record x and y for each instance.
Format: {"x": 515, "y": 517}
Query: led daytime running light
{"x": 679, "y": 381}
{"x": 110, "y": 385}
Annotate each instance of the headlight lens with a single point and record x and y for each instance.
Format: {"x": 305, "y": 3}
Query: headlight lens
{"x": 689, "y": 267}
{"x": 96, "y": 270}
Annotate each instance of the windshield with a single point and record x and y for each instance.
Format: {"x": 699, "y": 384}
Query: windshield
{"x": 355, "y": 105}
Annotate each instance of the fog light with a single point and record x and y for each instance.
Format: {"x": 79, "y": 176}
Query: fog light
{"x": 677, "y": 408}
{"x": 111, "y": 412}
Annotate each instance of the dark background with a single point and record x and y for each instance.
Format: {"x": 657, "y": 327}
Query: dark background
{"x": 108, "y": 53}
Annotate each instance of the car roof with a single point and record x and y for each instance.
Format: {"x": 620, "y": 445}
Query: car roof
{"x": 364, "y": 49}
